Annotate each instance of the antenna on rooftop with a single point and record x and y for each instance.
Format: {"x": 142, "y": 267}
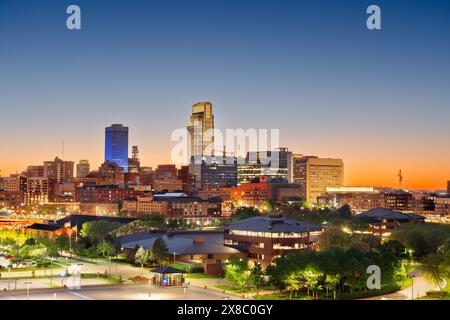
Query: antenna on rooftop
{"x": 62, "y": 151}
{"x": 400, "y": 178}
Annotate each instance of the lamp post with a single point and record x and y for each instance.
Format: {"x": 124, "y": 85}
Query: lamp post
{"x": 28, "y": 289}
{"x": 149, "y": 288}
{"x": 412, "y": 286}
{"x": 51, "y": 271}
{"x": 109, "y": 258}
{"x": 174, "y": 259}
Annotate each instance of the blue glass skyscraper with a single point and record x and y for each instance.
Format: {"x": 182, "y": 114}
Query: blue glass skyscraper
{"x": 116, "y": 145}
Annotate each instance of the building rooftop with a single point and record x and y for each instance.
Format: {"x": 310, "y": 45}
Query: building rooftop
{"x": 273, "y": 223}
{"x": 182, "y": 243}
{"x": 167, "y": 270}
{"x": 383, "y": 213}
{"x": 44, "y": 227}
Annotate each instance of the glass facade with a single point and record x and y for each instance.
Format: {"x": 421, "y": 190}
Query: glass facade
{"x": 116, "y": 145}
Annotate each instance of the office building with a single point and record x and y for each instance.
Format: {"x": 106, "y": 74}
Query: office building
{"x": 83, "y": 169}
{"x": 200, "y": 129}
{"x": 219, "y": 174}
{"x": 274, "y": 164}
{"x": 116, "y": 145}
{"x": 37, "y": 192}
{"x": 315, "y": 174}
{"x": 35, "y": 171}
{"x": 109, "y": 173}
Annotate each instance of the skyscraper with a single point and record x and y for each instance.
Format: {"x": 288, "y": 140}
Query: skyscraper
{"x": 56, "y": 172}
{"x": 83, "y": 169}
{"x": 274, "y": 164}
{"x": 116, "y": 145}
{"x": 448, "y": 186}
{"x": 200, "y": 128}
{"x": 314, "y": 175}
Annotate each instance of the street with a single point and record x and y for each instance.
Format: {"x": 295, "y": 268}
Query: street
{"x": 124, "y": 293}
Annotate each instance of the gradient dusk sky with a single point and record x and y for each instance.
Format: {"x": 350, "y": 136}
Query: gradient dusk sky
{"x": 380, "y": 100}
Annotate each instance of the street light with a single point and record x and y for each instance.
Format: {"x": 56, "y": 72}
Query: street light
{"x": 174, "y": 259}
{"x": 109, "y": 258}
{"x": 28, "y": 289}
{"x": 412, "y": 286}
{"x": 51, "y": 271}
{"x": 149, "y": 288}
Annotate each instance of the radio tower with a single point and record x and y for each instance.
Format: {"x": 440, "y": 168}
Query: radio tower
{"x": 400, "y": 178}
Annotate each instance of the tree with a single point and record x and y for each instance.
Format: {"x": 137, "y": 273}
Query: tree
{"x": 141, "y": 257}
{"x": 154, "y": 222}
{"x": 333, "y": 237}
{"x": 345, "y": 212}
{"x": 105, "y": 249}
{"x": 331, "y": 282}
{"x": 237, "y": 272}
{"x": 245, "y": 213}
{"x": 395, "y": 248}
{"x": 62, "y": 243}
{"x": 97, "y": 231}
{"x": 435, "y": 268}
{"x": 292, "y": 283}
{"x": 159, "y": 249}
{"x": 176, "y": 224}
{"x": 267, "y": 206}
{"x": 422, "y": 238}
{"x": 312, "y": 277}
{"x": 256, "y": 277}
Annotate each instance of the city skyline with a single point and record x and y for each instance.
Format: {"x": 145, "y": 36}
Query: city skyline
{"x": 95, "y": 165}
{"x": 333, "y": 88}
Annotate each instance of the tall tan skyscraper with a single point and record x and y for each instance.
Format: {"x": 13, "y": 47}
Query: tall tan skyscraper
{"x": 200, "y": 128}
{"x": 316, "y": 174}
{"x": 83, "y": 169}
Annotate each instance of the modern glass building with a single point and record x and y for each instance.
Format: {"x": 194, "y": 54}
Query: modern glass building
{"x": 116, "y": 145}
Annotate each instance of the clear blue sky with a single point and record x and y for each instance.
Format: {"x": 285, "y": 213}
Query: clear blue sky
{"x": 378, "y": 99}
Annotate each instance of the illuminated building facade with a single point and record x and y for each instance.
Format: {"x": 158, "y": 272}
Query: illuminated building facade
{"x": 116, "y": 145}
{"x": 273, "y": 164}
{"x": 399, "y": 200}
{"x": 314, "y": 175}
{"x": 37, "y": 192}
{"x": 200, "y": 129}
{"x": 265, "y": 238}
{"x": 83, "y": 169}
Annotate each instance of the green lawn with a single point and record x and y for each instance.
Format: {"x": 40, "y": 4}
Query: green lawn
{"x": 234, "y": 290}
{"x": 201, "y": 276}
{"x": 281, "y": 296}
{"x": 52, "y": 285}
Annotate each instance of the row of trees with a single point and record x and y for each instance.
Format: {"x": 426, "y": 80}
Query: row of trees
{"x": 158, "y": 253}
{"x": 242, "y": 276}
{"x": 336, "y": 269}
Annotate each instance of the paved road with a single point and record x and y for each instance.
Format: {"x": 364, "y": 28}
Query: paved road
{"x": 421, "y": 284}
{"x": 125, "y": 293}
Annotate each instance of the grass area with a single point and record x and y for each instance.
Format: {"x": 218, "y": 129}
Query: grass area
{"x": 201, "y": 276}
{"x": 281, "y": 296}
{"x": 51, "y": 284}
{"x": 102, "y": 277}
{"x": 30, "y": 277}
{"x": 438, "y": 295}
{"x": 447, "y": 287}
{"x": 234, "y": 290}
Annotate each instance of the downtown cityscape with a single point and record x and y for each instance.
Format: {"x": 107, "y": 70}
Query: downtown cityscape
{"x": 204, "y": 152}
